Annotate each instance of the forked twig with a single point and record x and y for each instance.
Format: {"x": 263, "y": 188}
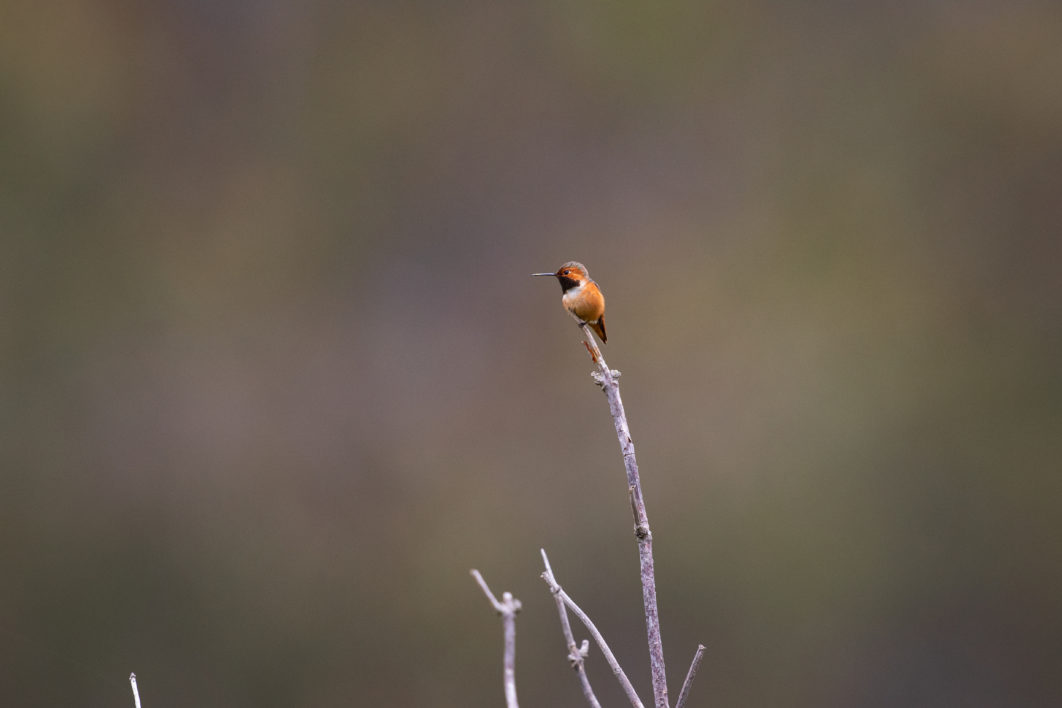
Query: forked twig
{"x": 507, "y": 608}
{"x": 558, "y": 591}
{"x": 576, "y": 654}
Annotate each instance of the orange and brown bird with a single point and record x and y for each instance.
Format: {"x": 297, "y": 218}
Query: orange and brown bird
{"x": 581, "y": 296}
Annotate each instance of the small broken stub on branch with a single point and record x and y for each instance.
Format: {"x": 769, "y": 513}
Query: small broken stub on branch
{"x": 590, "y": 351}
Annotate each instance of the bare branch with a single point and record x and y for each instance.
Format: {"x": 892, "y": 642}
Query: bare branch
{"x": 507, "y": 608}
{"x": 606, "y": 379}
{"x": 692, "y": 674}
{"x": 576, "y": 654}
{"x": 558, "y": 591}
{"x": 136, "y": 692}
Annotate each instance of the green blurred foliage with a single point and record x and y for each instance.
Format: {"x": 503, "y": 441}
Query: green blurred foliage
{"x": 274, "y": 376}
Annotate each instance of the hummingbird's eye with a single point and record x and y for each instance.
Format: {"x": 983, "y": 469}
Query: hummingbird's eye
{"x": 567, "y": 272}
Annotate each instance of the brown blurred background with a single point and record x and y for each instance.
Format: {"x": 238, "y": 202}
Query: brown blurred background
{"x": 274, "y": 375}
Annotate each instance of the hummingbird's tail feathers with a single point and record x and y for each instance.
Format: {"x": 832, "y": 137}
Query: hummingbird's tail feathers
{"x": 599, "y": 327}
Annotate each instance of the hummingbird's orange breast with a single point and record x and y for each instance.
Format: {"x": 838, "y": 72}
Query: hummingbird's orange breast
{"x": 586, "y": 302}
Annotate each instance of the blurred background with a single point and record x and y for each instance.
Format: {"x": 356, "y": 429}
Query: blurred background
{"x": 274, "y": 376}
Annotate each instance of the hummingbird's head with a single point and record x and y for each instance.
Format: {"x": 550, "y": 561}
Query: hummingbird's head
{"x": 571, "y": 275}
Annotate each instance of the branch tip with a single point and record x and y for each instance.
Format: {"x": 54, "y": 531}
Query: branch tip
{"x": 694, "y": 665}
{"x": 545, "y": 561}
{"x": 136, "y": 691}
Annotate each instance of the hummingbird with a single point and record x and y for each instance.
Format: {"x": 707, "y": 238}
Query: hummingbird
{"x": 581, "y": 296}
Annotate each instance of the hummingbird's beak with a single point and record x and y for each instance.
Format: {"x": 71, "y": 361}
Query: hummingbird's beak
{"x": 550, "y": 274}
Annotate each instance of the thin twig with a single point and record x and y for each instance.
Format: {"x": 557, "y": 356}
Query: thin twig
{"x": 606, "y": 379}
{"x": 136, "y": 693}
{"x": 486, "y": 591}
{"x": 692, "y": 674}
{"x": 557, "y": 590}
{"x": 507, "y": 608}
{"x": 576, "y": 655}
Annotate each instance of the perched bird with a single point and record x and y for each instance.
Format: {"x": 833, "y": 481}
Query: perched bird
{"x": 581, "y": 296}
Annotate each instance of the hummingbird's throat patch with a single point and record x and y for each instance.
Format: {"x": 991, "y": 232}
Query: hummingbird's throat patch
{"x": 567, "y": 283}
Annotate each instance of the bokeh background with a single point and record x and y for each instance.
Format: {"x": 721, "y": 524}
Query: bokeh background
{"x": 274, "y": 375}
